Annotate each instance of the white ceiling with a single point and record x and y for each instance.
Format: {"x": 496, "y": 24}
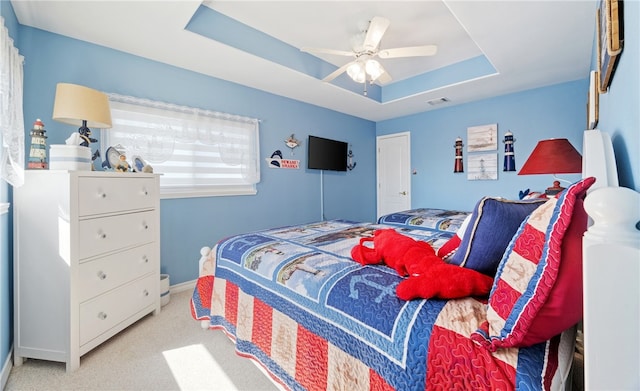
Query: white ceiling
{"x": 529, "y": 43}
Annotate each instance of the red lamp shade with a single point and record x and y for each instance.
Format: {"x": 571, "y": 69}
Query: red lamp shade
{"x": 553, "y": 156}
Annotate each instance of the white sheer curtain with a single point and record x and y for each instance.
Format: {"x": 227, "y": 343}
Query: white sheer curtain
{"x": 11, "y": 117}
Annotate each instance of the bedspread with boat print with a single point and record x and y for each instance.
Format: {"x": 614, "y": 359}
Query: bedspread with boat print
{"x": 294, "y": 300}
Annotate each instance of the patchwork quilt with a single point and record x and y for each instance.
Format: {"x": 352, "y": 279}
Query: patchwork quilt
{"x": 294, "y": 300}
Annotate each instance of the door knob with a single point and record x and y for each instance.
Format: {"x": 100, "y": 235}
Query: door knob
{"x": 403, "y": 193}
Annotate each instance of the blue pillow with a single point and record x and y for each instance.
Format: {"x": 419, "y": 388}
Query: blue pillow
{"x": 493, "y": 223}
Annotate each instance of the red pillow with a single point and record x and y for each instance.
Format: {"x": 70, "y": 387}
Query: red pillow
{"x": 563, "y": 307}
{"x": 530, "y": 276}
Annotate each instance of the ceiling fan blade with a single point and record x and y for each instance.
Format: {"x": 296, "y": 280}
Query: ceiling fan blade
{"x": 377, "y": 27}
{"x": 337, "y": 72}
{"x": 412, "y": 51}
{"x": 328, "y": 51}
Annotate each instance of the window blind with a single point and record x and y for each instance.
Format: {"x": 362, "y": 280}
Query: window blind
{"x": 198, "y": 152}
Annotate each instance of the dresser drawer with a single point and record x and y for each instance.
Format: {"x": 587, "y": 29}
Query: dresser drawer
{"x": 97, "y": 195}
{"x": 106, "y": 311}
{"x": 105, "y": 234}
{"x": 103, "y": 274}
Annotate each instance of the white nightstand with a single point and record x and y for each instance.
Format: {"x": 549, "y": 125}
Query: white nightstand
{"x": 86, "y": 260}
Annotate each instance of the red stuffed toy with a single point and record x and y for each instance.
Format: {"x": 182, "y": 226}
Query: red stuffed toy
{"x": 428, "y": 275}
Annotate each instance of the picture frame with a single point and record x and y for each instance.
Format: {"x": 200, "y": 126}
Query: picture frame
{"x": 609, "y": 42}
{"x": 482, "y": 138}
{"x": 593, "y": 100}
{"x": 482, "y": 167}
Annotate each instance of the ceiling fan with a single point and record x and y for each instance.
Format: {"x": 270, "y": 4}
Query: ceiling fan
{"x": 365, "y": 49}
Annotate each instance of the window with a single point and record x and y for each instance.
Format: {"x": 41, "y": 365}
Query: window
{"x": 198, "y": 152}
{"x": 11, "y": 116}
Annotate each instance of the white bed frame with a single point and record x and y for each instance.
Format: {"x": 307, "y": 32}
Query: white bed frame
{"x": 611, "y": 273}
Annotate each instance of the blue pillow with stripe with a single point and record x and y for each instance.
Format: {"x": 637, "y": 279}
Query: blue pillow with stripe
{"x": 493, "y": 223}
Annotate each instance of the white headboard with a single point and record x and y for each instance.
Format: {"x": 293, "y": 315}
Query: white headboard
{"x": 598, "y": 159}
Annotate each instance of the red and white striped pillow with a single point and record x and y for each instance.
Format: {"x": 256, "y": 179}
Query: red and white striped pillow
{"x": 527, "y": 275}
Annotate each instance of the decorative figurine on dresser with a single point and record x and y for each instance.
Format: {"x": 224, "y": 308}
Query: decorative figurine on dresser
{"x": 38, "y": 150}
{"x": 122, "y": 165}
{"x": 96, "y": 268}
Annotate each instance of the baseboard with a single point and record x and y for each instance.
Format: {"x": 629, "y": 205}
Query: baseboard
{"x": 6, "y": 370}
{"x": 183, "y": 286}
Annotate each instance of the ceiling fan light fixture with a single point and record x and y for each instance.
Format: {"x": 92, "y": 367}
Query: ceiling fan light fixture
{"x": 356, "y": 72}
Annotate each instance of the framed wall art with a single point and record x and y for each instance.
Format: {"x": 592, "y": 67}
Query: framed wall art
{"x": 610, "y": 35}
{"x": 482, "y": 167}
{"x": 482, "y": 138}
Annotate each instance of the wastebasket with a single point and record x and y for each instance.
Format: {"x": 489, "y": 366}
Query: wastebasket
{"x": 165, "y": 292}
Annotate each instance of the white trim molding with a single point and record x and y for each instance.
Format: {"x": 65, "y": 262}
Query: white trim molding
{"x": 6, "y": 369}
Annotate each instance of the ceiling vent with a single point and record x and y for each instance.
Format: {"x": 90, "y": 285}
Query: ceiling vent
{"x": 439, "y": 101}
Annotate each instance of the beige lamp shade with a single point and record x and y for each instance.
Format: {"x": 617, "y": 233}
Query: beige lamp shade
{"x": 75, "y": 103}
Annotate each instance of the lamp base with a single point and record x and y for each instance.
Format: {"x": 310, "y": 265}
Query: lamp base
{"x": 555, "y": 189}
{"x": 85, "y": 135}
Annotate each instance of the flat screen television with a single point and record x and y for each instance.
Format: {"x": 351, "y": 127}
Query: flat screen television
{"x": 326, "y": 154}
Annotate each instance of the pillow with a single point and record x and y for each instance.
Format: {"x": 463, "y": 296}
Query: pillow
{"x": 532, "y": 281}
{"x": 493, "y": 223}
{"x": 534, "y": 195}
{"x": 449, "y": 248}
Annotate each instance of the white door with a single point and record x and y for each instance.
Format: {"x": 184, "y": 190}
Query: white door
{"x": 393, "y": 162}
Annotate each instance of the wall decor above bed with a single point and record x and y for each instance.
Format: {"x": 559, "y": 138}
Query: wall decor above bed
{"x": 509, "y": 154}
{"x": 482, "y": 166}
{"x": 458, "y": 164}
{"x": 610, "y": 38}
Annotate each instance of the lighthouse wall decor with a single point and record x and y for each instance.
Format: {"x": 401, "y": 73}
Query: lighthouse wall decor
{"x": 38, "y": 150}
{"x": 509, "y": 157}
{"x": 458, "y": 165}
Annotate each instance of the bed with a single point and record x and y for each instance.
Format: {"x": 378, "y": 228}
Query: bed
{"x": 294, "y": 301}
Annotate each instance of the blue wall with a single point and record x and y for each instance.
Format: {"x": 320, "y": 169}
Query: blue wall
{"x": 555, "y": 111}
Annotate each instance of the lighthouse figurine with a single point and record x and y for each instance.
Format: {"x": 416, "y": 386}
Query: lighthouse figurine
{"x": 509, "y": 158}
{"x": 458, "y": 167}
{"x": 38, "y": 151}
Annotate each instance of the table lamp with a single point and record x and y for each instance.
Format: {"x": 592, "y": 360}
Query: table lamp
{"x": 553, "y": 156}
{"x": 82, "y": 106}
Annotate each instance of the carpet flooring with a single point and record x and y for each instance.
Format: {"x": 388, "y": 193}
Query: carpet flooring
{"x": 165, "y": 352}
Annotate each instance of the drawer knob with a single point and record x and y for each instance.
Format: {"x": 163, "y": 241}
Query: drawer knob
{"x": 145, "y": 259}
{"x": 102, "y": 275}
{"x": 145, "y": 192}
{"x": 102, "y": 316}
{"x": 145, "y": 293}
{"x": 103, "y": 195}
{"x": 102, "y": 235}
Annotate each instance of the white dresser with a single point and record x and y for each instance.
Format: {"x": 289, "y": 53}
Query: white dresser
{"x": 86, "y": 260}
